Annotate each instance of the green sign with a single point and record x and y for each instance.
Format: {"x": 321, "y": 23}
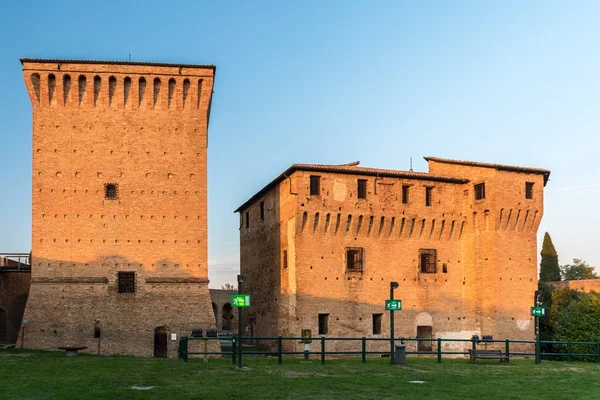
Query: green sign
{"x": 538, "y": 311}
{"x": 240, "y": 300}
{"x": 393, "y": 305}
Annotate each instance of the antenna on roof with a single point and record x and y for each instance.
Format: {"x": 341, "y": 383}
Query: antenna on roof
{"x": 351, "y": 164}
{"x": 129, "y": 57}
{"x": 411, "y": 170}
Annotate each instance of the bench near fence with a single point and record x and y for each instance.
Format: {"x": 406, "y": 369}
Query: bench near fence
{"x": 474, "y": 354}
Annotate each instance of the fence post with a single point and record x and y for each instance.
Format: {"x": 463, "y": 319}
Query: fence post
{"x": 364, "y": 350}
{"x": 569, "y": 351}
{"x": 598, "y": 352}
{"x": 473, "y": 344}
{"x": 439, "y": 349}
{"x": 507, "y": 351}
{"x": 233, "y": 350}
{"x": 279, "y": 355}
{"x": 322, "y": 350}
{"x": 185, "y": 349}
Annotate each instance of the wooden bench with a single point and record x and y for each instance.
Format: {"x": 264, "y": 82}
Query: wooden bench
{"x": 474, "y": 354}
{"x": 72, "y": 351}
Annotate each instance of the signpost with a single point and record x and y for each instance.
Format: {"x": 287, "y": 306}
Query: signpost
{"x": 538, "y": 311}
{"x": 240, "y": 300}
{"x": 393, "y": 305}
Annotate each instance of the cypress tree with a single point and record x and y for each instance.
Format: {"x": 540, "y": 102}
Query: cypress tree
{"x": 549, "y": 268}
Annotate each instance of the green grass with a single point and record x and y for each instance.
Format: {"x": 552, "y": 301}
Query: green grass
{"x": 51, "y": 375}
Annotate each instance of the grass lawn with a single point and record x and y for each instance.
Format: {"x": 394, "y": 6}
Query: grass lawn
{"x": 51, "y": 375}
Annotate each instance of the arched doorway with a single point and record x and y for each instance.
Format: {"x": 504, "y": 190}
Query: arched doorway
{"x": 160, "y": 341}
{"x": 227, "y": 317}
{"x": 2, "y": 326}
{"x": 216, "y": 313}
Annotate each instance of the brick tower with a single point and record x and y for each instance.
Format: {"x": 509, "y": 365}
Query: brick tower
{"x": 119, "y": 214}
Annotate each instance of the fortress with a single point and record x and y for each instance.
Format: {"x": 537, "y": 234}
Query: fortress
{"x": 320, "y": 245}
{"x": 119, "y": 236}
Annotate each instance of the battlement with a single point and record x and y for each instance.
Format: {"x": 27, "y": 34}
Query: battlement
{"x": 118, "y": 85}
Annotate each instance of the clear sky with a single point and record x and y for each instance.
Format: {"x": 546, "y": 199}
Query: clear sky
{"x": 512, "y": 82}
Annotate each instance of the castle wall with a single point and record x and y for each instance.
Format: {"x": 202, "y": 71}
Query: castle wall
{"x": 14, "y": 288}
{"x": 143, "y": 128}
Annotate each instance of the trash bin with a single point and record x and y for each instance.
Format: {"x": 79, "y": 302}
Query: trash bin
{"x": 400, "y": 354}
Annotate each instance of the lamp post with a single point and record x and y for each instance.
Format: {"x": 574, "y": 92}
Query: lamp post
{"x": 240, "y": 279}
{"x": 538, "y": 350}
{"x": 393, "y": 285}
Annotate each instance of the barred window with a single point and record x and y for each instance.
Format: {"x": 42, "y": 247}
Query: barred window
{"x": 428, "y": 261}
{"x": 126, "y": 282}
{"x": 355, "y": 259}
{"x": 479, "y": 191}
{"x": 111, "y": 191}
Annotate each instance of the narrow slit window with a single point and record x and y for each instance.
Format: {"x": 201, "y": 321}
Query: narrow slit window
{"x": 355, "y": 259}
{"x": 111, "y": 191}
{"x": 529, "y": 190}
{"x": 247, "y": 220}
{"x": 284, "y": 259}
{"x": 377, "y": 324}
{"x": 362, "y": 188}
{"x": 315, "y": 185}
{"x": 126, "y": 282}
{"x": 479, "y": 190}
{"x": 428, "y": 261}
{"x": 262, "y": 210}
{"x": 323, "y": 324}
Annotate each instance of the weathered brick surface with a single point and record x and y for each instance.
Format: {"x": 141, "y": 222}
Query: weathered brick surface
{"x": 14, "y": 287}
{"x": 98, "y": 123}
{"x": 487, "y": 246}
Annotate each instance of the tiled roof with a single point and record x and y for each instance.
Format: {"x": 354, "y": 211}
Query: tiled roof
{"x": 354, "y": 170}
{"x": 500, "y": 167}
{"x": 153, "y": 64}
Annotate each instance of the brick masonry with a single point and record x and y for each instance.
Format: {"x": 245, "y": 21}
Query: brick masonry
{"x": 294, "y": 255}
{"x": 142, "y": 127}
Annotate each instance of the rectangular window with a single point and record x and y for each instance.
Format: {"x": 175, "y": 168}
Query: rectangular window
{"x": 405, "y": 189}
{"x": 247, "y": 220}
{"x": 529, "y": 190}
{"x": 355, "y": 259}
{"x": 126, "y": 282}
{"x": 479, "y": 189}
{"x": 323, "y": 324}
{"x": 428, "y": 261}
{"x": 428, "y": 191}
{"x": 111, "y": 191}
{"x": 315, "y": 185}
{"x": 377, "y": 324}
{"x": 262, "y": 210}
{"x": 362, "y": 188}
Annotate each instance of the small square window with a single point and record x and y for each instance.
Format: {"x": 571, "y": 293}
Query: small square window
{"x": 428, "y": 261}
{"x": 529, "y": 190}
{"x": 428, "y": 192}
{"x": 315, "y": 185}
{"x": 323, "y": 324}
{"x": 355, "y": 259}
{"x": 479, "y": 189}
{"x": 126, "y": 282}
{"x": 362, "y": 188}
{"x": 111, "y": 191}
{"x": 377, "y": 324}
{"x": 405, "y": 191}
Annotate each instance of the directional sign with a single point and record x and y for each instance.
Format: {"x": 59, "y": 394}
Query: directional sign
{"x": 240, "y": 300}
{"x": 538, "y": 311}
{"x": 393, "y": 305}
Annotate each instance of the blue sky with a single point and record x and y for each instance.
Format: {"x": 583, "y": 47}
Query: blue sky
{"x": 510, "y": 82}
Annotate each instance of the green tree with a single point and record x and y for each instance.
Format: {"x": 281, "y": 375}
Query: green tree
{"x": 577, "y": 271}
{"x": 549, "y": 268}
{"x": 578, "y": 321}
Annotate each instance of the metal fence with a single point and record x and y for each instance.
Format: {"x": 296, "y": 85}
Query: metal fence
{"x": 573, "y": 350}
